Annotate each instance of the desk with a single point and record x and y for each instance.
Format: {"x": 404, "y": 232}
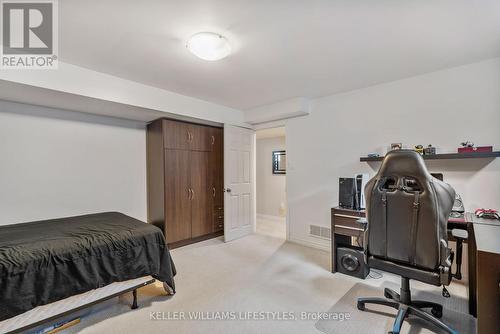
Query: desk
{"x": 483, "y": 257}
{"x": 344, "y": 226}
{"x": 484, "y": 273}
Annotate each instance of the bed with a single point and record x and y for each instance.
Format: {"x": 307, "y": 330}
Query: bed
{"x": 47, "y": 261}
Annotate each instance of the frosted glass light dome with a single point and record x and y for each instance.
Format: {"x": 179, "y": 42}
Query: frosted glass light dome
{"x": 209, "y": 46}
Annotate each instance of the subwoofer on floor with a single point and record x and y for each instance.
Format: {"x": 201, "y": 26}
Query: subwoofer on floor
{"x": 350, "y": 261}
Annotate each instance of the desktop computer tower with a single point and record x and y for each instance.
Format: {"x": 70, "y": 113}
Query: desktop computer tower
{"x": 351, "y": 192}
{"x": 347, "y": 192}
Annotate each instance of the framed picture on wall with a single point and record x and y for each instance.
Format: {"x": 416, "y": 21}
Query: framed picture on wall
{"x": 279, "y": 162}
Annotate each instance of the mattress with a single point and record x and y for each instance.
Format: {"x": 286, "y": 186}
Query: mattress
{"x": 48, "y": 311}
{"x": 46, "y": 261}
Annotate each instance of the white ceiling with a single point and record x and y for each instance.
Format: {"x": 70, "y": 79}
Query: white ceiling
{"x": 282, "y": 48}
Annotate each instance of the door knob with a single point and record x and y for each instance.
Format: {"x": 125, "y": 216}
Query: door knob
{"x": 228, "y": 190}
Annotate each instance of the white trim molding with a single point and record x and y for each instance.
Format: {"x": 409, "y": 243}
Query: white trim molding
{"x": 279, "y": 111}
{"x": 323, "y": 245}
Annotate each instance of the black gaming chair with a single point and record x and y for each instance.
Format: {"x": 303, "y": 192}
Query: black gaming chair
{"x": 407, "y": 213}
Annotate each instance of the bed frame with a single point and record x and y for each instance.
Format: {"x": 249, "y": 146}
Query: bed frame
{"x": 82, "y": 307}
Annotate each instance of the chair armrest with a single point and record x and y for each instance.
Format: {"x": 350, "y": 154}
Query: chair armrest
{"x": 446, "y": 262}
{"x": 446, "y": 254}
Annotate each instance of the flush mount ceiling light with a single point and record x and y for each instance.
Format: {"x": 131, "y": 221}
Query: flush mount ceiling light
{"x": 209, "y": 46}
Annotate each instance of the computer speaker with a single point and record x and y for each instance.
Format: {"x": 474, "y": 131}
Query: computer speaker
{"x": 351, "y": 261}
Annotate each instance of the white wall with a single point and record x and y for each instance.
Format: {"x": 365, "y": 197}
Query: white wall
{"x": 442, "y": 108}
{"x": 55, "y": 163}
{"x": 271, "y": 188}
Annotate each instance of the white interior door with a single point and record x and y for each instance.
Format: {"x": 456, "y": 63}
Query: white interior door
{"x": 239, "y": 182}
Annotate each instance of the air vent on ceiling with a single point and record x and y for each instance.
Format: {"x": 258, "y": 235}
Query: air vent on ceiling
{"x": 320, "y": 232}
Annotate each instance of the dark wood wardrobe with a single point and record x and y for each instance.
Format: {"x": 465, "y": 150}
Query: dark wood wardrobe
{"x": 185, "y": 180}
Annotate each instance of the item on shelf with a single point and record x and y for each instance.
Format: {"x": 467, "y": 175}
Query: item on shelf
{"x": 487, "y": 213}
{"x": 419, "y": 149}
{"x": 430, "y": 150}
{"x": 467, "y": 143}
{"x": 373, "y": 155}
{"x": 469, "y": 149}
{"x": 396, "y": 146}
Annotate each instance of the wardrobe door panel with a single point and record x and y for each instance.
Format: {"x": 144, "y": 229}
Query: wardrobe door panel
{"x": 177, "y": 135}
{"x": 213, "y": 139}
{"x": 217, "y": 178}
{"x": 216, "y": 167}
{"x": 201, "y": 220}
{"x": 200, "y": 139}
{"x": 177, "y": 195}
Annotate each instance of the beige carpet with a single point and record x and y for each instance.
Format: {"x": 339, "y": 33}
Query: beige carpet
{"x": 380, "y": 319}
{"x": 273, "y": 228}
{"x": 257, "y": 273}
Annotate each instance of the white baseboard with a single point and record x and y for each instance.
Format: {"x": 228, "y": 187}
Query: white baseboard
{"x": 271, "y": 218}
{"x": 320, "y": 244}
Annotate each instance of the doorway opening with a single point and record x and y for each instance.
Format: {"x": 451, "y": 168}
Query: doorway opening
{"x": 270, "y": 173}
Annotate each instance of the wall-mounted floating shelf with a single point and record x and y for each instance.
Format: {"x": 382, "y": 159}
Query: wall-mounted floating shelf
{"x": 470, "y": 155}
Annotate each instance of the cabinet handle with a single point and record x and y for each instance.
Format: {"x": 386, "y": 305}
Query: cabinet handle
{"x": 213, "y": 140}
{"x": 189, "y": 136}
{"x": 192, "y": 192}
{"x": 213, "y": 191}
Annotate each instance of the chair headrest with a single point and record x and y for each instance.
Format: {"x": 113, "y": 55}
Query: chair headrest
{"x": 404, "y": 163}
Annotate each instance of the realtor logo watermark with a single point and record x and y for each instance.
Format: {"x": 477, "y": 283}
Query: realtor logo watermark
{"x": 29, "y": 34}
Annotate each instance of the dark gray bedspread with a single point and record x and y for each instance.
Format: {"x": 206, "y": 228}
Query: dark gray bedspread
{"x": 45, "y": 261}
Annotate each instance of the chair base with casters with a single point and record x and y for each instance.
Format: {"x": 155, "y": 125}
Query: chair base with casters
{"x": 406, "y": 306}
